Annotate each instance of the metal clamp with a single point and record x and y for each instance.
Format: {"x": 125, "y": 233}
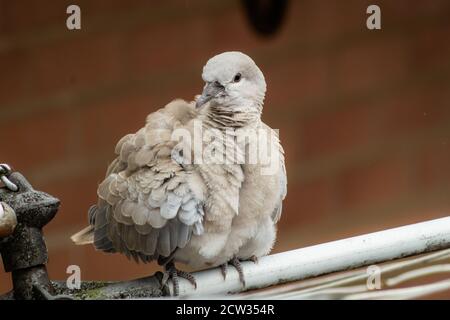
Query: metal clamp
{"x": 24, "y": 252}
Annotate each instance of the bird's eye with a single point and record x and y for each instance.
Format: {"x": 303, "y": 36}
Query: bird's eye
{"x": 237, "y": 77}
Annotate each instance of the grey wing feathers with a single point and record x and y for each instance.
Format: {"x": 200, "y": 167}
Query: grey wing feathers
{"x": 276, "y": 215}
{"x": 146, "y": 206}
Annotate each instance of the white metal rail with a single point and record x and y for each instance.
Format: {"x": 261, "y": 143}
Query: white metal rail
{"x": 325, "y": 258}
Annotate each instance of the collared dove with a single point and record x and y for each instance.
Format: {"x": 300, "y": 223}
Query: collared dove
{"x": 157, "y": 203}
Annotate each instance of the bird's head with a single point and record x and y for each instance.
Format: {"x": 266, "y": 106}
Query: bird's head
{"x": 232, "y": 80}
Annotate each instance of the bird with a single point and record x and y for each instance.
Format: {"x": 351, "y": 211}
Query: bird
{"x": 203, "y": 204}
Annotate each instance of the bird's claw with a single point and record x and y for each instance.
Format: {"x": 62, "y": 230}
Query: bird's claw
{"x": 236, "y": 263}
{"x": 238, "y": 266}
{"x": 254, "y": 259}
{"x": 173, "y": 273}
{"x": 224, "y": 269}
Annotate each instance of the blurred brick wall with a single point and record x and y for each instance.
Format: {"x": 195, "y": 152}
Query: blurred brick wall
{"x": 364, "y": 115}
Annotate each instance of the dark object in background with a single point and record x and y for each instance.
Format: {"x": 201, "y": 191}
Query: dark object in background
{"x": 266, "y": 16}
{"x": 24, "y": 252}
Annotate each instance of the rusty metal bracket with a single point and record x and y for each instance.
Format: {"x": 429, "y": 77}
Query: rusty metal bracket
{"x": 24, "y": 252}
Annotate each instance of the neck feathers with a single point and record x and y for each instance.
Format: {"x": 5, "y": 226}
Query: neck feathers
{"x": 222, "y": 117}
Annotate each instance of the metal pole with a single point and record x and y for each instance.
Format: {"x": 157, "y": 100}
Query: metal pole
{"x": 324, "y": 258}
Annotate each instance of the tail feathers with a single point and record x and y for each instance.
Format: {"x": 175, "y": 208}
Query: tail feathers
{"x": 85, "y": 236}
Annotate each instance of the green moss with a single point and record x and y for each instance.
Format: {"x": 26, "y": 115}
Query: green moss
{"x": 92, "y": 294}
{"x": 97, "y": 290}
{"x": 90, "y": 290}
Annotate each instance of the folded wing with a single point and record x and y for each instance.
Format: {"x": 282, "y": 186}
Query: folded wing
{"x": 149, "y": 205}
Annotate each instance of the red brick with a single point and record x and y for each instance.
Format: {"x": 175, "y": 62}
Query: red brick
{"x": 159, "y": 48}
{"x": 114, "y": 9}
{"x": 96, "y": 265}
{"x": 187, "y": 89}
{"x": 2, "y": 17}
{"x": 289, "y": 137}
{"x": 294, "y": 82}
{"x": 414, "y": 111}
{"x": 78, "y": 62}
{"x": 104, "y": 123}
{"x": 77, "y": 194}
{"x": 336, "y": 132}
{"x": 367, "y": 66}
{"x": 434, "y": 164}
{"x": 5, "y": 281}
{"x": 404, "y": 13}
{"x": 59, "y": 260}
{"x": 230, "y": 31}
{"x": 321, "y": 23}
{"x": 307, "y": 203}
{"x": 124, "y": 269}
{"x": 380, "y": 181}
{"x": 35, "y": 140}
{"x": 15, "y": 79}
{"x": 429, "y": 51}
{"x": 26, "y": 17}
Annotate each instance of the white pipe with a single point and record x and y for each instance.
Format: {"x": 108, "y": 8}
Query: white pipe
{"x": 324, "y": 258}
{"x": 340, "y": 280}
{"x": 403, "y": 293}
{"x": 417, "y": 273}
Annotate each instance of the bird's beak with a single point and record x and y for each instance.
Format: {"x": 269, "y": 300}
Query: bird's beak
{"x": 211, "y": 90}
